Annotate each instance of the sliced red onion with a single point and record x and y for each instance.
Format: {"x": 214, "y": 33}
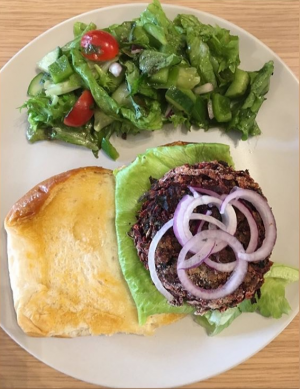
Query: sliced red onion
{"x": 206, "y": 191}
{"x": 115, "y": 69}
{"x": 169, "y": 111}
{"x": 235, "y": 279}
{"x": 206, "y": 88}
{"x": 267, "y": 217}
{"x": 151, "y": 260}
{"x": 208, "y": 213}
{"x": 135, "y": 49}
{"x": 209, "y": 219}
{"x": 199, "y": 257}
{"x": 182, "y": 217}
{"x": 210, "y": 110}
{"x": 194, "y": 192}
{"x": 223, "y": 267}
{"x": 252, "y": 225}
{"x": 181, "y": 231}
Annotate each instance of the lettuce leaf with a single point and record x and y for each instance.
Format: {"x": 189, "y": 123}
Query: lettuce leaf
{"x": 271, "y": 303}
{"x": 131, "y": 182}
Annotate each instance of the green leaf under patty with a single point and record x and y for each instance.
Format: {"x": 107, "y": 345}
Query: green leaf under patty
{"x": 131, "y": 183}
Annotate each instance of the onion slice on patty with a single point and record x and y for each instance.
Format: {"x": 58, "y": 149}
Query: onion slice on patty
{"x": 235, "y": 279}
{"x": 218, "y": 236}
{"x": 184, "y": 212}
{"x": 151, "y": 260}
{"x": 267, "y": 217}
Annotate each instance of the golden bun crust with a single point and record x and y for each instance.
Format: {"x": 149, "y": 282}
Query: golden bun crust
{"x": 63, "y": 261}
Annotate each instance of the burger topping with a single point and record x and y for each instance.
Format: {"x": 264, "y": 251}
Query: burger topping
{"x": 214, "y": 239}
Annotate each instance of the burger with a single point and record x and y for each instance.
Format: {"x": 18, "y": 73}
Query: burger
{"x": 195, "y": 235}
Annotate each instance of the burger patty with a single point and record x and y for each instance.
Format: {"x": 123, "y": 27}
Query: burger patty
{"x": 158, "y": 207}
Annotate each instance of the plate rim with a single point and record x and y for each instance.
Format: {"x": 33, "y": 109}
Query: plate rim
{"x": 293, "y": 314}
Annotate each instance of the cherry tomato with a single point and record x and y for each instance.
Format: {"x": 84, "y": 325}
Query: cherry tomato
{"x": 99, "y": 46}
{"x": 82, "y": 111}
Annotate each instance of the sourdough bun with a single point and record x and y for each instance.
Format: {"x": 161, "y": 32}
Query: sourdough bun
{"x": 63, "y": 260}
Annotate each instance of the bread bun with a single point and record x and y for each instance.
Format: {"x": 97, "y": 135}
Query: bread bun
{"x": 63, "y": 260}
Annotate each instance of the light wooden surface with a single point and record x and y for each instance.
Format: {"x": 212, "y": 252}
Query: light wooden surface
{"x": 274, "y": 22}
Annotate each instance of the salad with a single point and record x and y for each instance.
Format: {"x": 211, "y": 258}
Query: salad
{"x": 138, "y": 76}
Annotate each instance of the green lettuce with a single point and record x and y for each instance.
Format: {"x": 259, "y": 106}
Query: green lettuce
{"x": 155, "y": 163}
{"x": 165, "y": 35}
{"x": 271, "y": 302}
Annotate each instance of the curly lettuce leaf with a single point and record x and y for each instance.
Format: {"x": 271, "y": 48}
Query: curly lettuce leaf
{"x": 155, "y": 162}
{"x": 155, "y": 22}
{"x": 271, "y": 303}
{"x": 214, "y": 47}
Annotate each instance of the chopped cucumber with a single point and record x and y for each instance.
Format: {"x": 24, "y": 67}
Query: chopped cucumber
{"x": 239, "y": 85}
{"x": 199, "y": 111}
{"x": 121, "y": 96}
{"x": 101, "y": 120}
{"x": 49, "y": 59}
{"x": 181, "y": 99}
{"x": 61, "y": 69}
{"x": 73, "y": 83}
{"x": 36, "y": 85}
{"x": 187, "y": 77}
{"x": 160, "y": 77}
{"x": 221, "y": 108}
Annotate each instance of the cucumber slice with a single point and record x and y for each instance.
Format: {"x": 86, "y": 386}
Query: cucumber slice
{"x": 61, "y": 69}
{"x": 187, "y": 77}
{"x": 239, "y": 85}
{"x": 199, "y": 111}
{"x": 221, "y": 108}
{"x": 73, "y": 83}
{"x": 36, "y": 85}
{"x": 160, "y": 77}
{"x": 101, "y": 120}
{"x": 181, "y": 99}
{"x": 121, "y": 96}
{"x": 48, "y": 59}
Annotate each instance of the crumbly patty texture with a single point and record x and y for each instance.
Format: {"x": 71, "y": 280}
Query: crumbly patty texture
{"x": 158, "y": 207}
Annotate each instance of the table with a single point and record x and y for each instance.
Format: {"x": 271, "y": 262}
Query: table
{"x": 274, "y": 22}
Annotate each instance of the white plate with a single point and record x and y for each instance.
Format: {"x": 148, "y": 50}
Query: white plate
{"x": 181, "y": 353}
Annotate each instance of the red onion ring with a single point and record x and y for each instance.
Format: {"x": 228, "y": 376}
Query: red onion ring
{"x": 194, "y": 192}
{"x": 208, "y": 213}
{"x": 181, "y": 232}
{"x": 223, "y": 267}
{"x": 235, "y": 279}
{"x": 151, "y": 260}
{"x": 199, "y": 257}
{"x": 229, "y": 219}
{"x": 252, "y": 225}
{"x": 267, "y": 217}
{"x": 206, "y": 191}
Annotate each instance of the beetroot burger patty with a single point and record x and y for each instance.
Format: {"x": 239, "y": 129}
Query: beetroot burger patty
{"x": 158, "y": 207}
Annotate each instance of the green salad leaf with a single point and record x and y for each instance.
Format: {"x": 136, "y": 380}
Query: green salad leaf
{"x": 162, "y": 66}
{"x": 270, "y": 303}
{"x": 154, "y": 163}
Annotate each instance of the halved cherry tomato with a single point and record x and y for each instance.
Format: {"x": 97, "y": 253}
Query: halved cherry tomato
{"x": 99, "y": 45}
{"x": 82, "y": 111}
